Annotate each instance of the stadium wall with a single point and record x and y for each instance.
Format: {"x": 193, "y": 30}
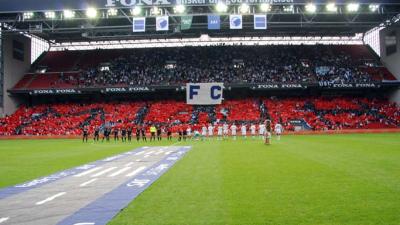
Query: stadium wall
{"x": 391, "y": 61}
{"x": 17, "y": 61}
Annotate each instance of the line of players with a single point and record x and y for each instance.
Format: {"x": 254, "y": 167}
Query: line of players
{"x": 185, "y": 131}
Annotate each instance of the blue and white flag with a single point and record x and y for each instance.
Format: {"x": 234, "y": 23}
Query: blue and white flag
{"x": 214, "y": 22}
{"x": 162, "y": 23}
{"x": 139, "y": 24}
{"x": 235, "y": 22}
{"x": 260, "y": 22}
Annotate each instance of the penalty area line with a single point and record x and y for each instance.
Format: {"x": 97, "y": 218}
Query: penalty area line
{"x": 4, "y": 219}
{"x": 51, "y": 198}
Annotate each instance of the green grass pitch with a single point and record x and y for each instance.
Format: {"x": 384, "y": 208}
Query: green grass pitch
{"x": 313, "y": 180}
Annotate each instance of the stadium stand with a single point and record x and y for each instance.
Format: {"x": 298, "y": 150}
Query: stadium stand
{"x": 318, "y": 113}
{"x": 229, "y": 64}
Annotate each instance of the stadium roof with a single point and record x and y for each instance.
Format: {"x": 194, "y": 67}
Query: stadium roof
{"x": 70, "y": 21}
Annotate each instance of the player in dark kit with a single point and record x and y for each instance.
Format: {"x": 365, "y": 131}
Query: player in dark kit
{"x": 137, "y": 133}
{"x": 129, "y": 134}
{"x": 123, "y": 134}
{"x": 268, "y": 133}
{"x": 180, "y": 134}
{"x": 85, "y": 132}
{"x": 184, "y": 132}
{"x": 116, "y": 137}
{"x": 106, "y": 134}
{"x": 143, "y": 132}
{"x": 169, "y": 133}
{"x": 96, "y": 134}
{"x": 159, "y": 133}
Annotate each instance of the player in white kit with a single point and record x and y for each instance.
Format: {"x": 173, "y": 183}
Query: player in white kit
{"x": 233, "y": 131}
{"x": 220, "y": 132}
{"x": 225, "y": 130}
{"x": 203, "y": 132}
{"x": 244, "y": 131}
{"x": 261, "y": 130}
{"x": 278, "y": 131}
{"x": 210, "y": 131}
{"x": 253, "y": 130}
{"x": 189, "y": 132}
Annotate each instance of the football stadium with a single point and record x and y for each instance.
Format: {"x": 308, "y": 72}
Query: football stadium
{"x": 200, "y": 112}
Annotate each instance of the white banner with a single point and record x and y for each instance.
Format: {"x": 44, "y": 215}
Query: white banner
{"x": 162, "y": 23}
{"x": 235, "y": 22}
{"x": 204, "y": 93}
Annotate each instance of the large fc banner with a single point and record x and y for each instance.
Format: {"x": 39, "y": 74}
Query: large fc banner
{"x": 204, "y": 93}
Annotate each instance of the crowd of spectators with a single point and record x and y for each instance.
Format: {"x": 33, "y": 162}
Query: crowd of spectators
{"x": 319, "y": 113}
{"x": 227, "y": 64}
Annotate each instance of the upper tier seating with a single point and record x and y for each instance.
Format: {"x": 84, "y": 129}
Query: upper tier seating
{"x": 228, "y": 64}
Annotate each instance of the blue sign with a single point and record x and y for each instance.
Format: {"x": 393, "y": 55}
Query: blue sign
{"x": 139, "y": 24}
{"x": 260, "y": 22}
{"x": 214, "y": 22}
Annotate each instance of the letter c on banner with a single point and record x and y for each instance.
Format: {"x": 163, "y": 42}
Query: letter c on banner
{"x": 215, "y": 95}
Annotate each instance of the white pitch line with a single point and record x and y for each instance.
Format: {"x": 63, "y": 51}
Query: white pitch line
{"x": 4, "y": 219}
{"x": 169, "y": 152}
{"x": 149, "y": 153}
{"x": 88, "y": 171}
{"x": 120, "y": 171}
{"x": 129, "y": 164}
{"x": 88, "y": 182}
{"x": 104, "y": 171}
{"x": 136, "y": 171}
{"x": 146, "y": 156}
{"x": 159, "y": 152}
{"x": 51, "y": 198}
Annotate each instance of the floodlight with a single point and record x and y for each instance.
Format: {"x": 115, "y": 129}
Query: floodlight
{"x": 91, "y": 13}
{"x": 221, "y": 7}
{"x": 68, "y": 14}
{"x": 311, "y": 8}
{"x": 353, "y": 7}
{"x": 28, "y": 15}
{"x": 288, "y": 8}
{"x": 112, "y": 12}
{"x": 50, "y": 15}
{"x": 373, "y": 7}
{"x": 179, "y": 9}
{"x": 155, "y": 11}
{"x": 136, "y": 11}
{"x": 265, "y": 7}
{"x": 244, "y": 8}
{"x": 331, "y": 7}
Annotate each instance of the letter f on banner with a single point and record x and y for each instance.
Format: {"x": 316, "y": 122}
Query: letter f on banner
{"x": 193, "y": 90}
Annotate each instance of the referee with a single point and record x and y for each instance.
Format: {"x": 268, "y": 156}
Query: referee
{"x": 153, "y": 131}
